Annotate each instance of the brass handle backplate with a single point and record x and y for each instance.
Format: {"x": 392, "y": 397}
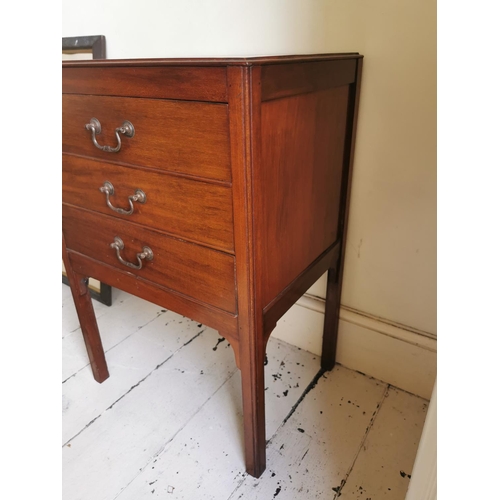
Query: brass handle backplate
{"x": 127, "y": 129}
{"x": 146, "y": 254}
{"x": 139, "y": 196}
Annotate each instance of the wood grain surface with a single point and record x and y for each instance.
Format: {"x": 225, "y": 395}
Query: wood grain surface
{"x": 86, "y": 316}
{"x": 186, "y": 137}
{"x": 177, "y": 82}
{"x": 181, "y": 206}
{"x": 196, "y": 271}
{"x": 282, "y": 80}
{"x": 263, "y": 180}
{"x": 298, "y": 183}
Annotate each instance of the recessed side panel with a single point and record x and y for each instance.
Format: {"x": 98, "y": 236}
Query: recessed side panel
{"x": 298, "y": 181}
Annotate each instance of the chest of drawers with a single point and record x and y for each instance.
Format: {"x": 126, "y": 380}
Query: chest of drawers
{"x": 217, "y": 188}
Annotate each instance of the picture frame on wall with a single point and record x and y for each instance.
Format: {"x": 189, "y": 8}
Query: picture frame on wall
{"x": 79, "y": 47}
{"x": 87, "y": 47}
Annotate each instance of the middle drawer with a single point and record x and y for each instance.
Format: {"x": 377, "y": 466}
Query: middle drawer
{"x": 195, "y": 210}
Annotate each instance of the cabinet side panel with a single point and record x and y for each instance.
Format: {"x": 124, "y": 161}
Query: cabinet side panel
{"x": 299, "y": 182}
{"x": 283, "y": 80}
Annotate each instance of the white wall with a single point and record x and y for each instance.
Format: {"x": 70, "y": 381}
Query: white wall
{"x": 388, "y": 318}
{"x": 391, "y": 249}
{"x": 390, "y": 272}
{"x": 191, "y": 28}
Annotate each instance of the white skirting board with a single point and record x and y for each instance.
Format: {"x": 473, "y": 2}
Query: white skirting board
{"x": 401, "y": 357}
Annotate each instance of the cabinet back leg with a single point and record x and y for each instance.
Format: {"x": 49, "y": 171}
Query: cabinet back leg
{"x": 331, "y": 325}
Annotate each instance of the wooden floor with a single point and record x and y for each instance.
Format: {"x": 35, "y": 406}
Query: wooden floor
{"x": 168, "y": 422}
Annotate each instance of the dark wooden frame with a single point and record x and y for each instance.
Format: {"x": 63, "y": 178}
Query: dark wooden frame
{"x": 96, "y": 44}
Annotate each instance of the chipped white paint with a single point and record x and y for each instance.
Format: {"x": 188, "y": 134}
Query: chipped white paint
{"x": 133, "y": 431}
{"x": 128, "y": 362}
{"x": 309, "y": 456}
{"x": 384, "y": 466}
{"x": 205, "y": 460}
{"x": 168, "y": 422}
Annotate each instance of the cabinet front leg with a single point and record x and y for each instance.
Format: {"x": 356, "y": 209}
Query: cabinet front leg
{"x": 331, "y": 325}
{"x": 86, "y": 315}
{"x": 90, "y": 330}
{"x": 252, "y": 357}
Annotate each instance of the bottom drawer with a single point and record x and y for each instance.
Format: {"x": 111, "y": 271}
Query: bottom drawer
{"x": 198, "y": 272}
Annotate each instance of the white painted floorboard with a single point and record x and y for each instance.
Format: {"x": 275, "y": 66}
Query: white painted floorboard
{"x": 168, "y": 422}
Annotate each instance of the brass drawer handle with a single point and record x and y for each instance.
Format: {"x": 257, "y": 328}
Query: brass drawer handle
{"x": 127, "y": 129}
{"x": 146, "y": 254}
{"x": 139, "y": 196}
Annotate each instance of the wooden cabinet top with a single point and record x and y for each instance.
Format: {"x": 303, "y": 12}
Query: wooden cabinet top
{"x": 214, "y": 61}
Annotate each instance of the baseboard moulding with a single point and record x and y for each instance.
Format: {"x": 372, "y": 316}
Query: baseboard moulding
{"x": 400, "y": 356}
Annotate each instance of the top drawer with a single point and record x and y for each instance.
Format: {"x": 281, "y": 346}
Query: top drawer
{"x": 187, "y": 83}
{"x": 179, "y": 136}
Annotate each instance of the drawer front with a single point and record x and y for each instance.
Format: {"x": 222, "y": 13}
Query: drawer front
{"x": 190, "y": 83}
{"x": 195, "y": 271}
{"x": 197, "y": 211}
{"x": 179, "y": 136}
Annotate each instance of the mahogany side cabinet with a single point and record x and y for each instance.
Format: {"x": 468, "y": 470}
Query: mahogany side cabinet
{"x": 216, "y": 188}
